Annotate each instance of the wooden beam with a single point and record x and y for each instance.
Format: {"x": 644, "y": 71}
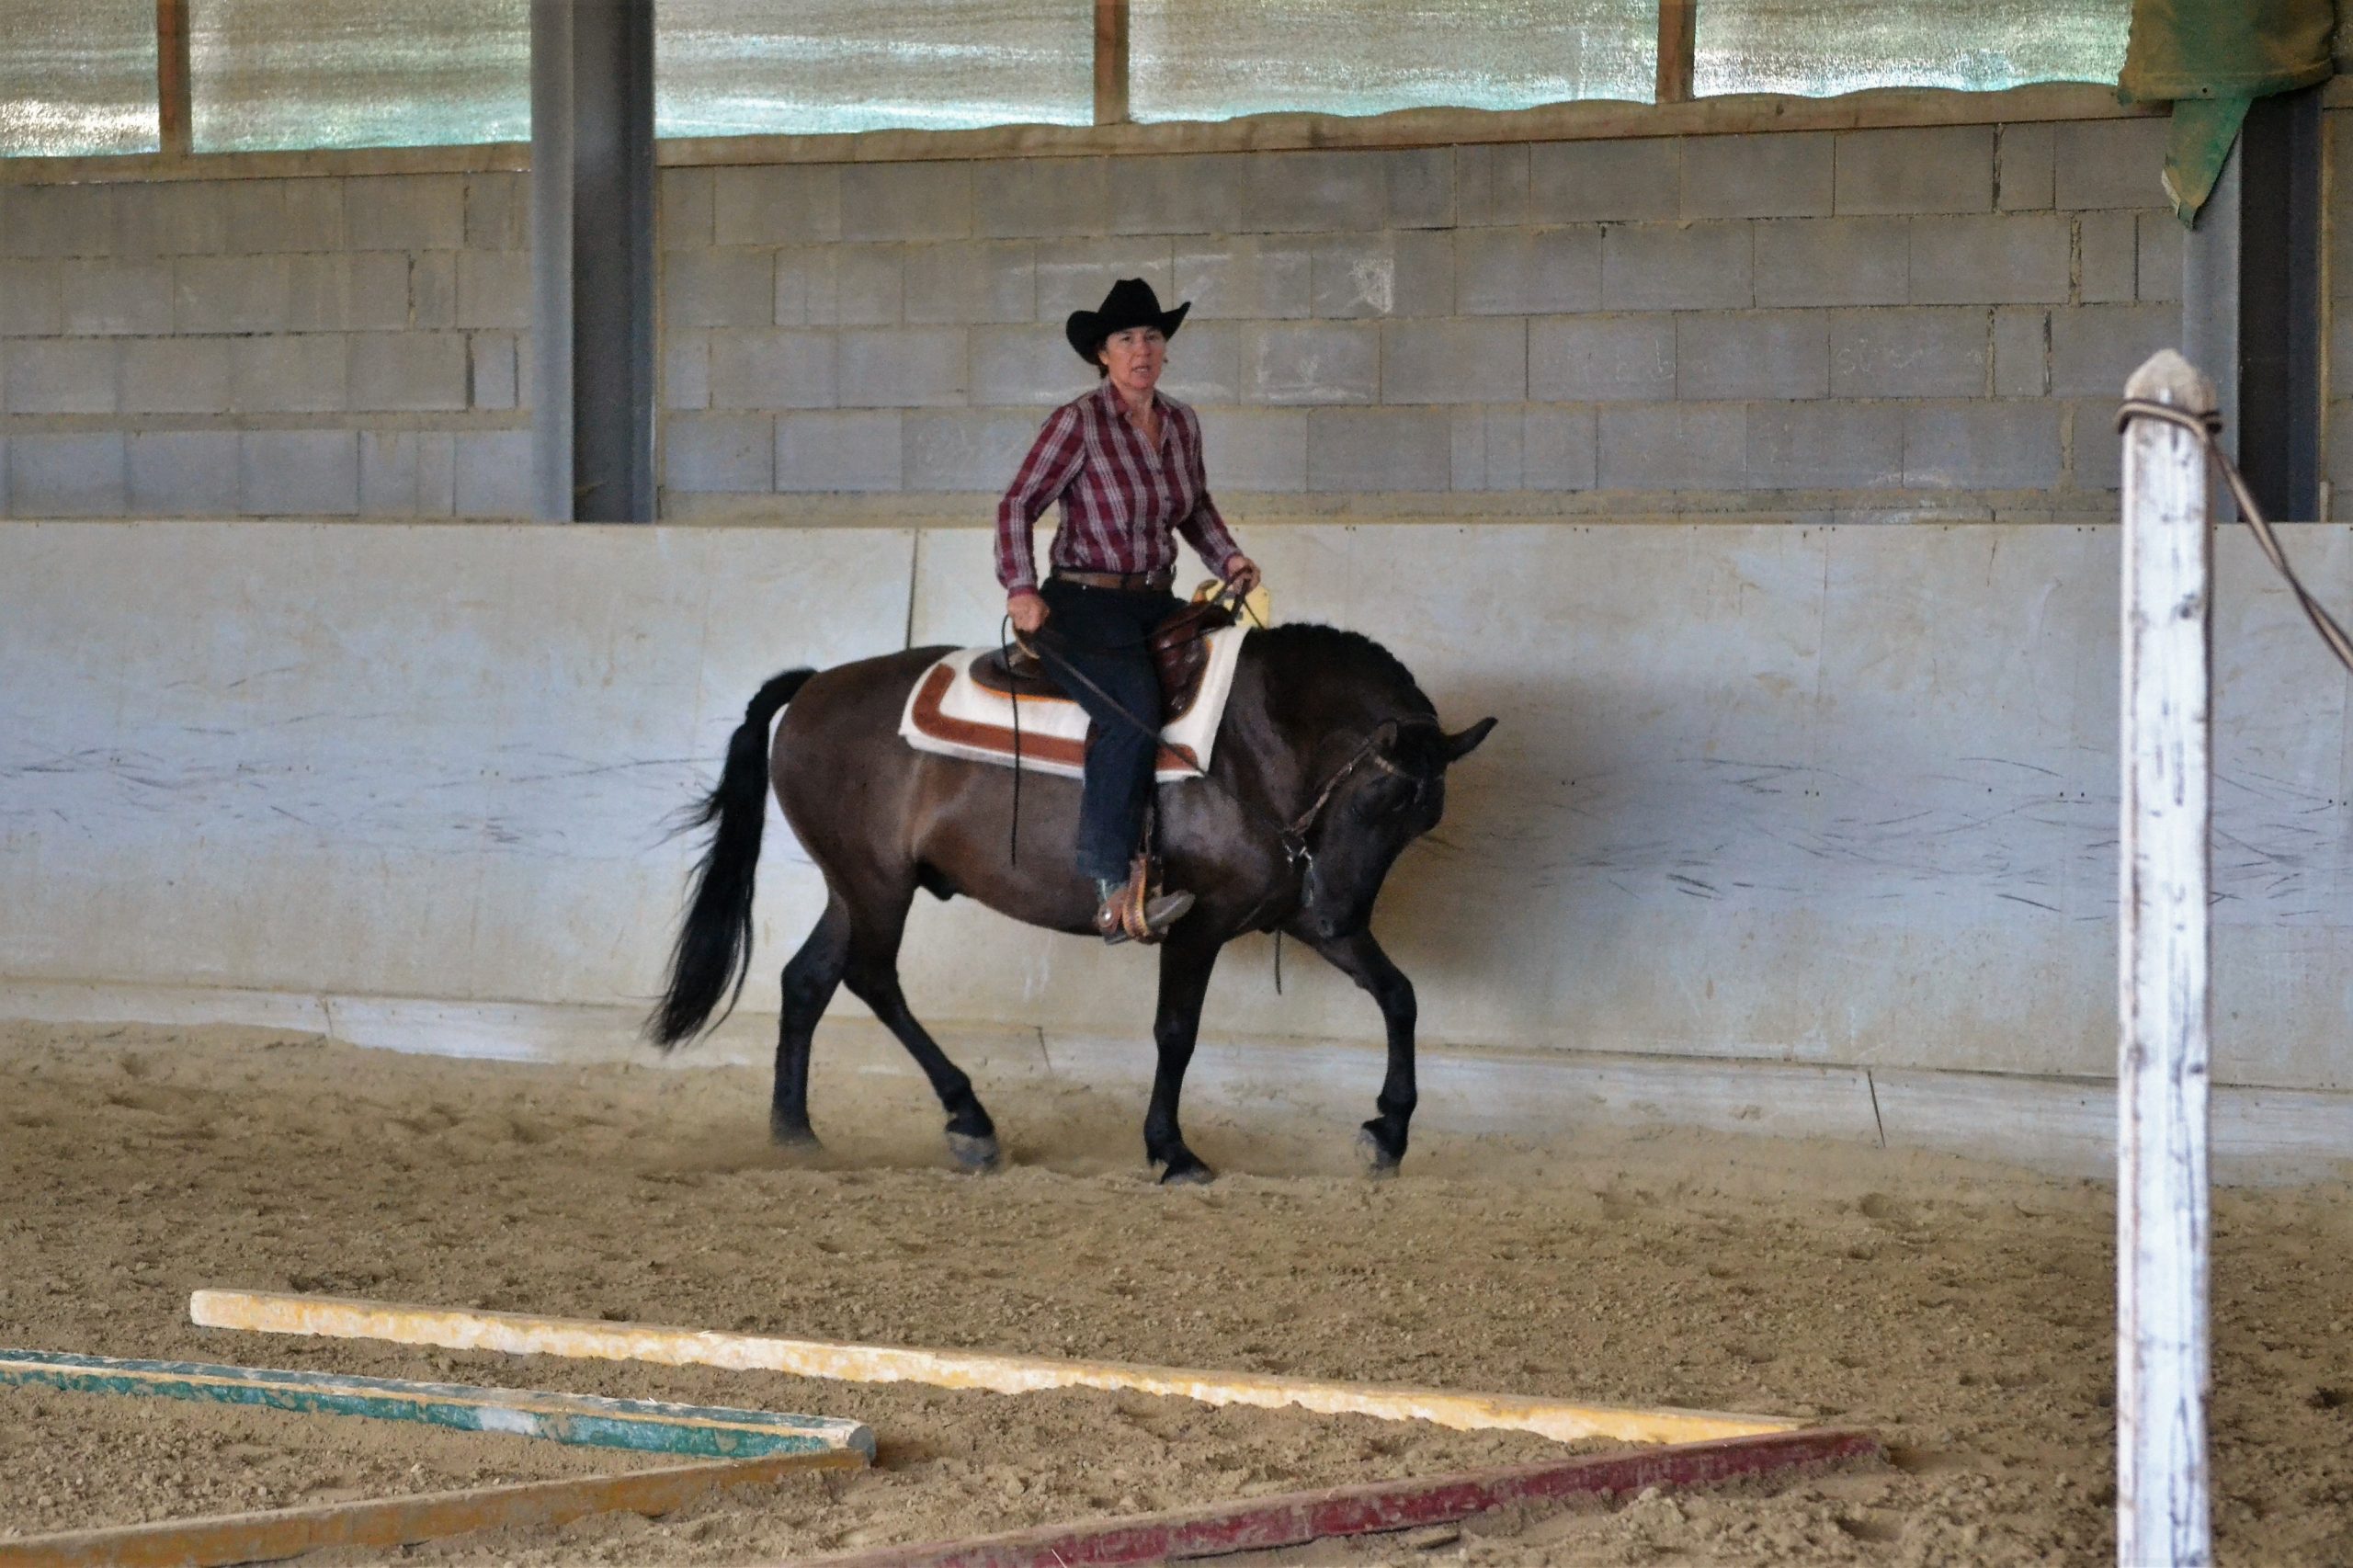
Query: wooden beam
{"x": 1586, "y": 120}
{"x": 1111, "y": 61}
{"x": 172, "y": 94}
{"x": 397, "y": 1521}
{"x": 1595, "y": 121}
{"x": 1677, "y": 50}
{"x": 1260, "y": 1524}
{"x": 644, "y": 1426}
{"x": 523, "y": 1335}
{"x": 2162, "y": 1216}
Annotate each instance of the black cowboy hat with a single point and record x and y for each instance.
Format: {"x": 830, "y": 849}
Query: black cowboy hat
{"x": 1129, "y": 303}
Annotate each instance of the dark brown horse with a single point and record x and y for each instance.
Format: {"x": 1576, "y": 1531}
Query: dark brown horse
{"x": 1329, "y": 762}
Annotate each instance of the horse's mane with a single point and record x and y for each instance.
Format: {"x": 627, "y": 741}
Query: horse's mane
{"x": 1299, "y": 643}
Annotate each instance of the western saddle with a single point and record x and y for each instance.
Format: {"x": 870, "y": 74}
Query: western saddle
{"x": 1178, "y": 653}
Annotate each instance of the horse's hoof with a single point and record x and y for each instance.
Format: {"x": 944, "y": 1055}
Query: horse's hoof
{"x": 977, "y": 1154}
{"x": 797, "y": 1140}
{"x": 1379, "y": 1163}
{"x": 1188, "y": 1172}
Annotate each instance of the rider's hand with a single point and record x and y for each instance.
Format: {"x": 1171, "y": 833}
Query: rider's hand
{"x": 1240, "y": 575}
{"x": 1028, "y": 610}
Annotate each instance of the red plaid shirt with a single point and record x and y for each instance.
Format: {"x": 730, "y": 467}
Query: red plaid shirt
{"x": 1120, "y": 499}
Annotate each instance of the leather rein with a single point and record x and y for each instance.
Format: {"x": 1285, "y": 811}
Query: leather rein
{"x": 1293, "y": 835}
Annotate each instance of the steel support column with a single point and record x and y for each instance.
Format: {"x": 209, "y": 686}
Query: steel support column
{"x": 2251, "y": 305}
{"x": 2280, "y": 304}
{"x": 592, "y": 259}
{"x": 2209, "y": 305}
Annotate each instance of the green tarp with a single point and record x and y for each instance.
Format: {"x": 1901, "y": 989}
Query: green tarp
{"x": 2211, "y": 59}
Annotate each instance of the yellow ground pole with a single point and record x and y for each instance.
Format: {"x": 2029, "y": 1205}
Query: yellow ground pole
{"x": 522, "y": 1334}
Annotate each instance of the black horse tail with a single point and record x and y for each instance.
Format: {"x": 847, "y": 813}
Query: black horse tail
{"x": 713, "y": 955}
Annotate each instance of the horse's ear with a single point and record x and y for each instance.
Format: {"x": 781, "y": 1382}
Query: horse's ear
{"x": 1458, "y": 746}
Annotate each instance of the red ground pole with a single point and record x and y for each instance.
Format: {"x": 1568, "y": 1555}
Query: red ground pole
{"x": 1293, "y": 1518}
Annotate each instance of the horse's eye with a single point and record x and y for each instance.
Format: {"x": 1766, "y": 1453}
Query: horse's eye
{"x": 1389, "y": 797}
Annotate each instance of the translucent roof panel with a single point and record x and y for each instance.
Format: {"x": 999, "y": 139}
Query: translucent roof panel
{"x": 77, "y": 76}
{"x": 1820, "y": 48}
{"x": 1220, "y": 59}
{"x": 763, "y": 67}
{"x": 271, "y": 73}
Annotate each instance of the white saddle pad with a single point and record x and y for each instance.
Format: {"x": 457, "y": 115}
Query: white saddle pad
{"x": 953, "y": 714}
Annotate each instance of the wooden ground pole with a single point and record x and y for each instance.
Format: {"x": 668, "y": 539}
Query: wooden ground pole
{"x": 524, "y": 1334}
{"x": 393, "y": 1521}
{"x": 1259, "y": 1524}
{"x": 2162, "y": 1517}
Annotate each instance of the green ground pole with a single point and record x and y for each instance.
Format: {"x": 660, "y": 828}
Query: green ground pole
{"x": 644, "y": 1426}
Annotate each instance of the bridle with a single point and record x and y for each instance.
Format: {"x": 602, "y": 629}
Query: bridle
{"x": 1295, "y": 832}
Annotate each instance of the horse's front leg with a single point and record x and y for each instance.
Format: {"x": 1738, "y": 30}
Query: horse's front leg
{"x": 1185, "y": 966}
{"x": 1359, "y": 958}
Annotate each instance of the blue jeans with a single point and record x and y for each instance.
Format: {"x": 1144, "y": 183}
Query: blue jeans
{"x": 1103, "y": 634}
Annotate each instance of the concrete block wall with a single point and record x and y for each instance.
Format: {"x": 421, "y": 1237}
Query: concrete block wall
{"x": 323, "y": 346}
{"x": 1900, "y": 324}
{"x": 1896, "y": 322}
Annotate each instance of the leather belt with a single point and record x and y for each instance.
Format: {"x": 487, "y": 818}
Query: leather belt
{"x": 1120, "y": 582}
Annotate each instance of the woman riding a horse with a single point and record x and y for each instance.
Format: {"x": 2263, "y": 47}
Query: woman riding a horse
{"x": 1329, "y": 761}
{"x": 1125, "y": 462}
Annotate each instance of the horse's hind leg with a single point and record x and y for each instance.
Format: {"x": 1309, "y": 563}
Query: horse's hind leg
{"x": 809, "y": 983}
{"x": 1359, "y": 958}
{"x": 873, "y": 977}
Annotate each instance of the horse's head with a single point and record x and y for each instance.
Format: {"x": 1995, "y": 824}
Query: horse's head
{"x": 1388, "y": 792}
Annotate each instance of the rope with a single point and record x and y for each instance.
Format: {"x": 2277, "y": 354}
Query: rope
{"x": 2205, "y": 427}
{"x": 1012, "y": 700}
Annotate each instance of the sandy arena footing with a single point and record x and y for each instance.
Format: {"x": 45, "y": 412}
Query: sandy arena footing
{"x": 1962, "y": 1310}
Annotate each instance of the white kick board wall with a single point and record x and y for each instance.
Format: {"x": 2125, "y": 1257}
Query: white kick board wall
{"x": 1842, "y": 797}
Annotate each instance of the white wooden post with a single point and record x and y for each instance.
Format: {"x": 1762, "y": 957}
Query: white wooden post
{"x": 2161, "y": 1196}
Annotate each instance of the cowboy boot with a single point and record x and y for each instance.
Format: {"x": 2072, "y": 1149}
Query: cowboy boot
{"x": 1134, "y": 912}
